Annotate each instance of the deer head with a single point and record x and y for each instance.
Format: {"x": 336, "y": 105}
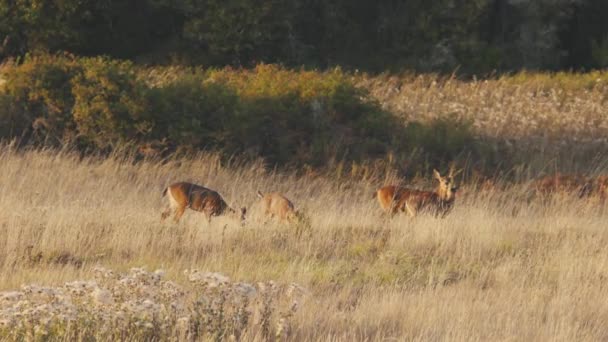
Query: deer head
{"x": 446, "y": 189}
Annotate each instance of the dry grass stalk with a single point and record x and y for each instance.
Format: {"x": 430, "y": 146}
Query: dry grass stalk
{"x": 481, "y": 273}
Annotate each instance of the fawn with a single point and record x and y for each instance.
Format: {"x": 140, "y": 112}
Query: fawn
{"x": 275, "y": 204}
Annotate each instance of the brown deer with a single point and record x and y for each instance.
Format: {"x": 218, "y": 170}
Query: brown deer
{"x": 561, "y": 183}
{"x": 394, "y": 199}
{"x": 184, "y": 195}
{"x": 275, "y": 204}
{"x": 601, "y": 187}
{"x": 479, "y": 187}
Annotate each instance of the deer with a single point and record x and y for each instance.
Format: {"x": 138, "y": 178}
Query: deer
{"x": 394, "y": 199}
{"x": 157, "y": 149}
{"x": 561, "y": 183}
{"x": 602, "y": 187}
{"x": 185, "y": 195}
{"x": 275, "y": 204}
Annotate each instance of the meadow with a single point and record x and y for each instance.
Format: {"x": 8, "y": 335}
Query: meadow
{"x": 538, "y": 122}
{"x": 83, "y": 255}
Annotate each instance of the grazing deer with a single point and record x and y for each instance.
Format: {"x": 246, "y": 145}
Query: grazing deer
{"x": 184, "y": 195}
{"x": 276, "y": 205}
{"x": 394, "y": 199}
{"x": 560, "y": 183}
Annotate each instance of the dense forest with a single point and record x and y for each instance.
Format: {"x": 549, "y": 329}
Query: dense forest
{"x": 471, "y": 37}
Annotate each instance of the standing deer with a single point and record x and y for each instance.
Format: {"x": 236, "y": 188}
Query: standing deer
{"x": 184, "y": 195}
{"x": 275, "y": 204}
{"x": 394, "y": 199}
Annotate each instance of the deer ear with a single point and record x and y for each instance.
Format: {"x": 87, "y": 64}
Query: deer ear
{"x": 436, "y": 174}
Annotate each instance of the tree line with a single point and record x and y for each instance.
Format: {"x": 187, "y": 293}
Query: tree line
{"x": 473, "y": 37}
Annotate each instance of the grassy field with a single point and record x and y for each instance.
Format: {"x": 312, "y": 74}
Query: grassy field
{"x": 546, "y": 121}
{"x": 497, "y": 268}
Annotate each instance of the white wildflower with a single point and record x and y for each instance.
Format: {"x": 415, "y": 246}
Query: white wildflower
{"x": 183, "y": 323}
{"x": 157, "y": 276}
{"x": 295, "y": 290}
{"x": 282, "y": 328}
{"x": 102, "y": 297}
{"x": 6, "y": 322}
{"x": 103, "y": 272}
{"x": 244, "y": 289}
{"x": 11, "y": 296}
{"x": 210, "y": 279}
{"x": 81, "y": 287}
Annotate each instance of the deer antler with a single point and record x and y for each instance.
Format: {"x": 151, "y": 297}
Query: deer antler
{"x": 452, "y": 169}
{"x": 453, "y": 172}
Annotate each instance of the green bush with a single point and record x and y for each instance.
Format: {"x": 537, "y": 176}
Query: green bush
{"x": 94, "y": 100}
{"x": 13, "y": 121}
{"x": 443, "y": 139}
{"x": 306, "y": 116}
{"x": 189, "y": 112}
{"x": 110, "y": 104}
{"x": 41, "y": 92}
{"x": 287, "y": 117}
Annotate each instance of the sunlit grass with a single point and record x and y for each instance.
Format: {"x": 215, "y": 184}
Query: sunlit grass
{"x": 485, "y": 272}
{"x": 546, "y": 121}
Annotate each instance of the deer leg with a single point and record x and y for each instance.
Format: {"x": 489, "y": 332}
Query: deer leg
{"x": 179, "y": 212}
{"x": 395, "y": 209}
{"x": 392, "y": 210}
{"x": 266, "y": 218}
{"x": 411, "y": 211}
{"x": 208, "y": 215}
{"x": 293, "y": 218}
{"x": 165, "y": 214}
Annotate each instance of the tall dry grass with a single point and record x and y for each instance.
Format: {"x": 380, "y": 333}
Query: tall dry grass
{"x": 543, "y": 120}
{"x": 497, "y": 268}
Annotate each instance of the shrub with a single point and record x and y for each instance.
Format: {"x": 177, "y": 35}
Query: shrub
{"x": 189, "y": 112}
{"x": 305, "y": 116}
{"x": 110, "y": 104}
{"x": 95, "y": 99}
{"x": 443, "y": 138}
{"x": 287, "y": 117}
{"x": 144, "y": 306}
{"x": 40, "y": 90}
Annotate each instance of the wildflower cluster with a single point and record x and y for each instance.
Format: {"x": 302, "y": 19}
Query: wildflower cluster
{"x": 141, "y": 305}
